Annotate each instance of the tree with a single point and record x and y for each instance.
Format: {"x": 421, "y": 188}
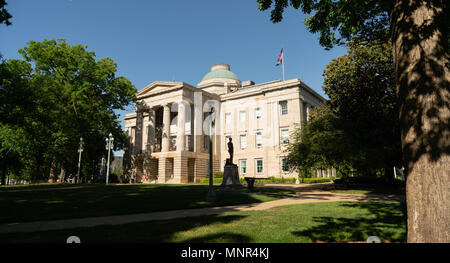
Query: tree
{"x": 19, "y": 134}
{"x": 419, "y": 34}
{"x": 4, "y": 14}
{"x": 361, "y": 88}
{"x": 322, "y": 142}
{"x": 67, "y": 94}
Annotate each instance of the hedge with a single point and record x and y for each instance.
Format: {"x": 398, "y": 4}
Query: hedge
{"x": 274, "y": 180}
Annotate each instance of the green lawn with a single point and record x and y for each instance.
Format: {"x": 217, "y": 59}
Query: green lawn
{"x": 365, "y": 190}
{"x": 48, "y": 202}
{"x": 313, "y": 222}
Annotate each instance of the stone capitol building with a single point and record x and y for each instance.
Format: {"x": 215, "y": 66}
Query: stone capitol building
{"x": 168, "y": 134}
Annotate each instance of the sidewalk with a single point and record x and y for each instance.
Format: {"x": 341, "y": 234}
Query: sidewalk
{"x": 300, "y": 198}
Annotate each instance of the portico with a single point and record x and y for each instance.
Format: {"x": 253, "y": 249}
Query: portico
{"x": 163, "y": 145}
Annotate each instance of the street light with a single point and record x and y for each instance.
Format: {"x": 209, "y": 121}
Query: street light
{"x": 109, "y": 147}
{"x": 80, "y": 150}
{"x": 211, "y": 194}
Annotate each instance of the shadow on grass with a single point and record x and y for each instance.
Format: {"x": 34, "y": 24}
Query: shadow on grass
{"x": 101, "y": 200}
{"x": 274, "y": 192}
{"x": 378, "y": 219}
{"x": 145, "y": 232}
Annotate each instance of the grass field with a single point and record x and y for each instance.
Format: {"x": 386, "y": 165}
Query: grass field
{"x": 49, "y": 202}
{"x": 313, "y": 222}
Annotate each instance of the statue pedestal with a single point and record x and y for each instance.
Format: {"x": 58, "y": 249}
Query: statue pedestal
{"x": 230, "y": 176}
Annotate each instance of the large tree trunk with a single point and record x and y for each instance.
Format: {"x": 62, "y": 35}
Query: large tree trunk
{"x": 423, "y": 89}
{"x": 53, "y": 170}
{"x": 62, "y": 175}
{"x": 3, "y": 175}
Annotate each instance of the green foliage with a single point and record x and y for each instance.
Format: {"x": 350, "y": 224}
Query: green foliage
{"x": 321, "y": 143}
{"x": 361, "y": 87}
{"x": 338, "y": 21}
{"x": 218, "y": 175}
{"x": 56, "y": 95}
{"x": 358, "y": 128}
{"x": 272, "y": 180}
{"x": 293, "y": 180}
{"x": 215, "y": 180}
{"x": 4, "y": 14}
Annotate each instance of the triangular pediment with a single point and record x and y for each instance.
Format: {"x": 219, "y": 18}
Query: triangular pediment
{"x": 158, "y": 87}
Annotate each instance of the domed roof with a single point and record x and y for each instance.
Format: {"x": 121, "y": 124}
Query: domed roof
{"x": 220, "y": 71}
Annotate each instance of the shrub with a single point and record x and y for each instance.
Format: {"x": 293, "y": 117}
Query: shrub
{"x": 215, "y": 180}
{"x": 273, "y": 180}
{"x": 316, "y": 180}
{"x": 218, "y": 175}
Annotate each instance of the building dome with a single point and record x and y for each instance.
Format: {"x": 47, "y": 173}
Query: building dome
{"x": 220, "y": 71}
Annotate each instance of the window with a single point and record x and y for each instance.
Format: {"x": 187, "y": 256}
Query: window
{"x": 242, "y": 116}
{"x": 173, "y": 143}
{"x": 284, "y": 165}
{"x": 243, "y": 164}
{"x": 258, "y": 139}
{"x": 259, "y": 166}
{"x": 188, "y": 141}
{"x": 284, "y": 136}
{"x": 284, "y": 108}
{"x": 243, "y": 141}
{"x": 228, "y": 118}
{"x": 258, "y": 113}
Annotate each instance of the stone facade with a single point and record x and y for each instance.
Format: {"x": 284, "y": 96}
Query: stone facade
{"x": 169, "y": 130}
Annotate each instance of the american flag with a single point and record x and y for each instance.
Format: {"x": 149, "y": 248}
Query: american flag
{"x": 280, "y": 58}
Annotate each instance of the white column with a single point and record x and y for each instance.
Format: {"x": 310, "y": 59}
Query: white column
{"x": 166, "y": 129}
{"x": 198, "y": 121}
{"x": 151, "y": 129}
{"x": 138, "y": 132}
{"x": 181, "y": 126}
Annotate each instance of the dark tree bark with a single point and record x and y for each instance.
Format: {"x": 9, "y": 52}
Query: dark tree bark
{"x": 423, "y": 88}
{"x": 53, "y": 171}
{"x": 62, "y": 175}
{"x": 3, "y": 175}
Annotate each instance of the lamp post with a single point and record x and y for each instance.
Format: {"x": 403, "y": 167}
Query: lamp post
{"x": 102, "y": 167}
{"x": 211, "y": 194}
{"x": 80, "y": 150}
{"x": 109, "y": 147}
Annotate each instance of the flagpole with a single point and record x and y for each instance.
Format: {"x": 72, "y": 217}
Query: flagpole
{"x": 283, "y": 65}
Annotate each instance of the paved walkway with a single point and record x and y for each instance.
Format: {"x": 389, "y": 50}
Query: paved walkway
{"x": 305, "y": 195}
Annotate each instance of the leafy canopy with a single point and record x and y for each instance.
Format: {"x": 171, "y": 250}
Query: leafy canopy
{"x": 337, "y": 21}
{"x": 58, "y": 94}
{"x": 4, "y": 14}
{"x": 358, "y": 128}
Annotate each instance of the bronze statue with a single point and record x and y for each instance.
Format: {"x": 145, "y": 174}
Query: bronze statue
{"x": 230, "y": 150}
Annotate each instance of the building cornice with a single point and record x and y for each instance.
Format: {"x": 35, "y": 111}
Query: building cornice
{"x": 260, "y": 89}
{"x": 171, "y": 86}
{"x": 313, "y": 92}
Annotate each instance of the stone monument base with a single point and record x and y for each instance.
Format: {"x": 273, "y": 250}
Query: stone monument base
{"x": 231, "y": 176}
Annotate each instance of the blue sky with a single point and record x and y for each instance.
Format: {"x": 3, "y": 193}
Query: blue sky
{"x": 174, "y": 40}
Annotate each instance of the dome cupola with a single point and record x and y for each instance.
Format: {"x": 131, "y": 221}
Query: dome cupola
{"x": 220, "y": 79}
